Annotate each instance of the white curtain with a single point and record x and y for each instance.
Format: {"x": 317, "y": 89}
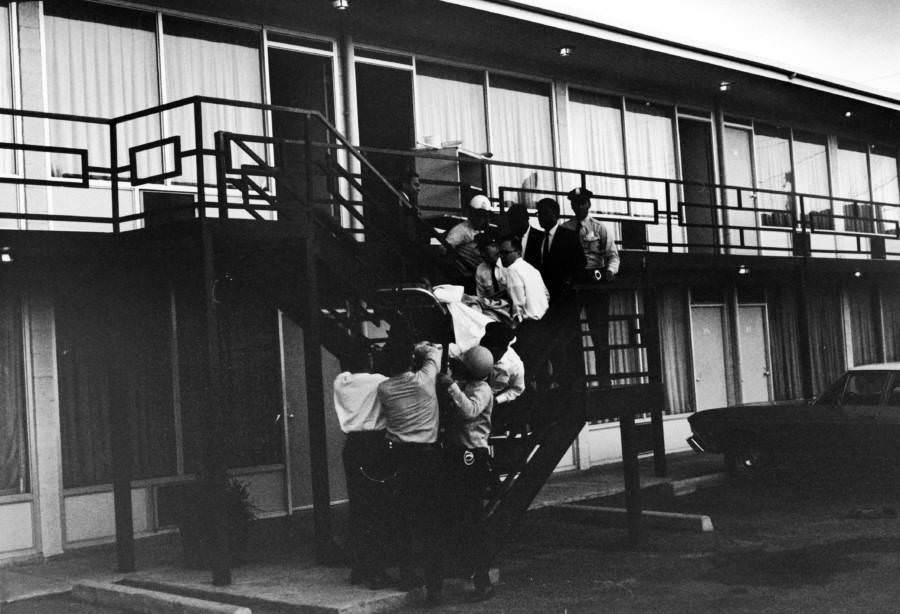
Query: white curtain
{"x": 885, "y": 188}
{"x": 773, "y": 172}
{"x": 890, "y": 310}
{"x": 650, "y": 146}
{"x": 595, "y": 134}
{"x": 852, "y": 172}
{"x": 207, "y": 60}
{"x": 521, "y": 132}
{"x": 451, "y": 106}
{"x": 101, "y": 62}
{"x": 862, "y": 324}
{"x": 811, "y": 166}
{"x": 7, "y": 157}
{"x": 673, "y": 323}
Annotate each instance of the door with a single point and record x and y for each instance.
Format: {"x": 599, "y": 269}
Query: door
{"x": 695, "y": 141}
{"x": 299, "y": 81}
{"x": 708, "y": 335}
{"x": 298, "y": 492}
{"x": 753, "y": 344}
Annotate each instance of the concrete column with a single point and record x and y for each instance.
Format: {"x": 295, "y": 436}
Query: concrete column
{"x": 34, "y": 95}
{"x": 47, "y": 456}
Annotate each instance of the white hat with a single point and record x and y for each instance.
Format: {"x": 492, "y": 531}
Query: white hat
{"x": 480, "y": 201}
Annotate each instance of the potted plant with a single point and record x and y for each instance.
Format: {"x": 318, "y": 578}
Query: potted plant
{"x": 197, "y": 522}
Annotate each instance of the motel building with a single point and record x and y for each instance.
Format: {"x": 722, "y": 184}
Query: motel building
{"x": 198, "y": 205}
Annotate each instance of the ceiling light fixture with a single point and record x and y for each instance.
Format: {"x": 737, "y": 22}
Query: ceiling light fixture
{"x": 6, "y": 255}
{"x": 857, "y": 274}
{"x": 565, "y": 51}
{"x": 724, "y": 86}
{"x": 743, "y": 270}
{"x": 341, "y": 5}
{"x": 848, "y": 113}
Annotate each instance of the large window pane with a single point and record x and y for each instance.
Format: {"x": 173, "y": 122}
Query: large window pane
{"x": 13, "y": 442}
{"x": 84, "y": 358}
{"x": 773, "y": 172}
{"x": 885, "y": 188}
{"x": 450, "y": 106}
{"x": 521, "y": 132}
{"x": 650, "y": 146}
{"x": 7, "y": 164}
{"x": 853, "y": 184}
{"x": 595, "y": 134}
{"x": 811, "y": 164}
{"x": 203, "y": 59}
{"x": 101, "y": 62}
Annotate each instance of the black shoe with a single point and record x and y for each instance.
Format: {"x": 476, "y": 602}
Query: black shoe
{"x": 482, "y": 593}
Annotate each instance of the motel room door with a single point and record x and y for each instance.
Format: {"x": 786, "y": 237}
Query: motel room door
{"x": 295, "y": 421}
{"x": 754, "y": 354}
{"x": 696, "y": 149}
{"x": 708, "y": 336}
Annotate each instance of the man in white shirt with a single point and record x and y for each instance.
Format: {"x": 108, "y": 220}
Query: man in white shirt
{"x": 524, "y": 283}
{"x": 364, "y": 455}
{"x": 530, "y": 301}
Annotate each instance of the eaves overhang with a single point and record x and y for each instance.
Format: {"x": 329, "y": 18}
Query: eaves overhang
{"x": 585, "y": 27}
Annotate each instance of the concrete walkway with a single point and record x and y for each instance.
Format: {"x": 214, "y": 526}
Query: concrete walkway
{"x": 283, "y": 575}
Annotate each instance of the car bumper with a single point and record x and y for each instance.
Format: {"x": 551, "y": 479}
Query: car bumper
{"x": 696, "y": 444}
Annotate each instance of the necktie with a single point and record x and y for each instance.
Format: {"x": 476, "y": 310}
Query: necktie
{"x": 545, "y": 252}
{"x": 494, "y": 279}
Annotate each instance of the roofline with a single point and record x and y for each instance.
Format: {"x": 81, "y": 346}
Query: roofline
{"x": 587, "y": 27}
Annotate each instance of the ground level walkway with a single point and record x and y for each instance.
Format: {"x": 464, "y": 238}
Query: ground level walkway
{"x": 281, "y": 572}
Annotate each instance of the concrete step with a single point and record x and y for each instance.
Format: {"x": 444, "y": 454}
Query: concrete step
{"x": 149, "y": 601}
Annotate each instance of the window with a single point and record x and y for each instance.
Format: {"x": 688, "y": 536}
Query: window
{"x": 811, "y": 165}
{"x": 13, "y": 441}
{"x": 7, "y": 158}
{"x": 595, "y": 132}
{"x": 773, "y": 172}
{"x": 450, "y": 106}
{"x": 864, "y": 388}
{"x": 204, "y": 59}
{"x": 521, "y": 132}
{"x": 101, "y": 62}
{"x": 84, "y": 360}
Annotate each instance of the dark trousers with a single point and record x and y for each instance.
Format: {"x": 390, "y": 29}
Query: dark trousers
{"x": 555, "y": 338}
{"x": 597, "y": 311}
{"x": 369, "y": 490}
{"x": 467, "y": 474}
{"x": 419, "y": 475}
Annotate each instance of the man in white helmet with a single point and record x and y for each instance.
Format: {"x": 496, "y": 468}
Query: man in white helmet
{"x": 462, "y": 236}
{"x": 467, "y": 467}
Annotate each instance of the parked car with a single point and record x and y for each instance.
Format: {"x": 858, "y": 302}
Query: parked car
{"x": 857, "y": 417}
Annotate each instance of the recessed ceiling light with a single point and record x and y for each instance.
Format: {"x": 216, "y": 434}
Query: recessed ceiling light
{"x": 724, "y": 86}
{"x": 341, "y": 5}
{"x": 743, "y": 270}
{"x": 848, "y": 113}
{"x": 565, "y": 51}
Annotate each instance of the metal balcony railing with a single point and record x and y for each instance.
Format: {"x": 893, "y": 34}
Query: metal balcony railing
{"x": 165, "y": 163}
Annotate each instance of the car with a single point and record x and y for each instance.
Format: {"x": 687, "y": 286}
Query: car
{"x": 856, "y": 418}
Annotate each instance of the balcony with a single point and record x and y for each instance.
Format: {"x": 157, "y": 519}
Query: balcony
{"x": 206, "y": 158}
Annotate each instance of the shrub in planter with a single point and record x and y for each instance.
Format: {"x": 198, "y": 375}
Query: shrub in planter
{"x": 197, "y": 523}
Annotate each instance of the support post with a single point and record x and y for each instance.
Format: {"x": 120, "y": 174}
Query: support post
{"x": 805, "y": 348}
{"x": 315, "y": 385}
{"x": 214, "y": 423}
{"x": 120, "y": 448}
{"x": 650, "y": 339}
{"x": 632, "y": 478}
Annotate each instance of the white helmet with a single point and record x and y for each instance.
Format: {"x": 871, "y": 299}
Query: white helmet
{"x": 480, "y": 201}
{"x": 478, "y": 361}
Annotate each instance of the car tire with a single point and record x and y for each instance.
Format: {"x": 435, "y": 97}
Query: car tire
{"x": 744, "y": 456}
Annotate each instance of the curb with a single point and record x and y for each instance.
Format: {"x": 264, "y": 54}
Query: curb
{"x": 148, "y": 602}
{"x": 618, "y": 516}
{"x": 690, "y": 485}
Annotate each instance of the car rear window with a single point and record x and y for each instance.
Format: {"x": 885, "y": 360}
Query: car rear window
{"x": 864, "y": 388}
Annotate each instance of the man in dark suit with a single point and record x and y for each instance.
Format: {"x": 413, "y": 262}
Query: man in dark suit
{"x": 518, "y": 223}
{"x": 562, "y": 261}
{"x": 562, "y": 258}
